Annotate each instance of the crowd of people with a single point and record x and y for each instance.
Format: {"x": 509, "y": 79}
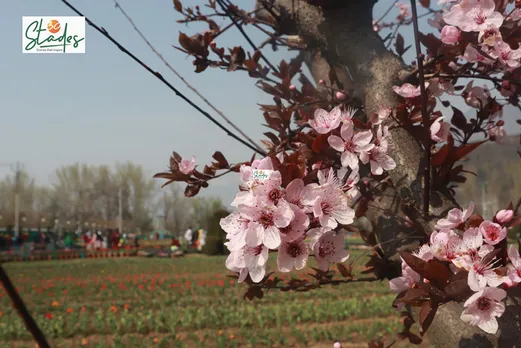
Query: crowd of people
{"x": 195, "y": 238}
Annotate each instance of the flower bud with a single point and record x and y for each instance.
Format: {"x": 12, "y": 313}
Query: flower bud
{"x": 450, "y": 35}
{"x": 292, "y": 87}
{"x": 340, "y": 96}
{"x": 504, "y": 216}
{"x": 322, "y": 82}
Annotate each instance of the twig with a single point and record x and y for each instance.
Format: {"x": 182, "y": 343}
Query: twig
{"x": 162, "y": 79}
{"x": 425, "y": 115}
{"x": 226, "y": 9}
{"x": 118, "y": 6}
{"x": 29, "y": 321}
{"x": 387, "y": 12}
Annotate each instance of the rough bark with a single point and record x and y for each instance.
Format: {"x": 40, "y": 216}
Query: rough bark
{"x": 339, "y": 35}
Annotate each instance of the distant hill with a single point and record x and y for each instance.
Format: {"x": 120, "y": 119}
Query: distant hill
{"x": 498, "y": 181}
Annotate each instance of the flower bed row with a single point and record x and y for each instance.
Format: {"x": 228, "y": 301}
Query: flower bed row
{"x": 68, "y": 255}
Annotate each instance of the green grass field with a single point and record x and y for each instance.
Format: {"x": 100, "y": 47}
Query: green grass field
{"x": 186, "y": 302}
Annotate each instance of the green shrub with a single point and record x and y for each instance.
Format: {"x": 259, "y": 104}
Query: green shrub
{"x": 216, "y": 236}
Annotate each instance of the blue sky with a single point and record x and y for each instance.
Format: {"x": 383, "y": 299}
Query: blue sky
{"x": 101, "y": 107}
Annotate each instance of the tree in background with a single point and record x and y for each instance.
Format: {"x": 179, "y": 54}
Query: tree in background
{"x": 85, "y": 193}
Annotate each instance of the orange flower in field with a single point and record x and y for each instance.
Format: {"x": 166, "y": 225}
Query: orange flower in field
{"x": 69, "y": 310}
{"x": 83, "y": 309}
{"x": 55, "y": 303}
{"x": 220, "y": 333}
{"x": 48, "y": 315}
{"x": 114, "y": 309}
{"x": 126, "y": 306}
{"x": 156, "y": 340}
{"x": 1, "y": 313}
{"x": 232, "y": 336}
{"x": 84, "y": 342}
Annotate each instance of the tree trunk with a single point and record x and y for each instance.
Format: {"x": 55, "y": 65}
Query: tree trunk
{"x": 339, "y": 34}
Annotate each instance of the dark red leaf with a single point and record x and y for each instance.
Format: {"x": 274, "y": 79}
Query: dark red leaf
{"x": 425, "y": 3}
{"x": 254, "y": 292}
{"x": 192, "y": 190}
{"x": 437, "y": 273}
{"x": 400, "y": 45}
{"x": 320, "y": 143}
{"x": 427, "y": 314}
{"x": 458, "y": 288}
{"x": 439, "y": 157}
{"x": 178, "y": 7}
{"x": 416, "y": 264}
{"x": 474, "y": 220}
{"x": 221, "y": 160}
{"x": 459, "y": 120}
{"x": 344, "y": 270}
{"x": 464, "y": 150}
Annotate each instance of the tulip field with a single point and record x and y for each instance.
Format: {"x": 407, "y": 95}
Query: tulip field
{"x": 187, "y": 302}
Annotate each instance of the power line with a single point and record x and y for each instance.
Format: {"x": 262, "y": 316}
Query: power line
{"x": 162, "y": 79}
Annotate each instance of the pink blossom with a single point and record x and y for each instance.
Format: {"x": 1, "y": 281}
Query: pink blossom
{"x": 489, "y": 36}
{"x": 455, "y": 217}
{"x": 483, "y": 307}
{"x": 437, "y": 87}
{"x": 405, "y": 281}
{"x": 350, "y": 182}
{"x": 337, "y": 345}
{"x": 482, "y": 274}
{"x": 235, "y": 226}
{"x": 329, "y": 248}
{"x": 450, "y": 35}
{"x": 297, "y": 227}
{"x": 496, "y": 133}
{"x": 407, "y": 90}
{"x": 404, "y": 10}
{"x": 324, "y": 122}
{"x": 265, "y": 222}
{"x": 506, "y": 55}
{"x": 187, "y": 166}
{"x": 377, "y": 157}
{"x": 246, "y": 172}
{"x": 473, "y": 56}
{"x": 440, "y": 130}
{"x": 444, "y": 244}
{"x": 270, "y": 188}
{"x": 474, "y": 15}
{"x": 347, "y": 114}
{"x": 492, "y": 233}
{"x": 476, "y": 97}
{"x": 471, "y": 250}
{"x": 297, "y": 192}
{"x": 425, "y": 253}
{"x": 351, "y": 144}
{"x": 340, "y": 95}
{"x": 331, "y": 207}
{"x": 292, "y": 254}
{"x": 514, "y": 269}
{"x": 383, "y": 113}
{"x": 504, "y": 216}
{"x": 248, "y": 260}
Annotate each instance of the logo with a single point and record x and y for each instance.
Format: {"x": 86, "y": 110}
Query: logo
{"x": 259, "y": 174}
{"x": 53, "y": 34}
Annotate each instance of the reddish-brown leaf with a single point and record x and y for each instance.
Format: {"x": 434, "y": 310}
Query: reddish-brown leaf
{"x": 221, "y": 160}
{"x": 474, "y": 220}
{"x": 439, "y": 157}
{"x": 459, "y": 120}
{"x": 458, "y": 288}
{"x": 178, "y": 6}
{"x": 192, "y": 190}
{"x": 320, "y": 143}
{"x": 425, "y": 3}
{"x": 399, "y": 45}
{"x": 416, "y": 264}
{"x": 344, "y": 270}
{"x": 464, "y": 150}
{"x": 427, "y": 313}
{"x": 437, "y": 273}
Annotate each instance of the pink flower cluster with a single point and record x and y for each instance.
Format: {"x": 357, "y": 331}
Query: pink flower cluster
{"x": 300, "y": 219}
{"x": 470, "y": 249}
